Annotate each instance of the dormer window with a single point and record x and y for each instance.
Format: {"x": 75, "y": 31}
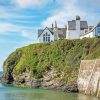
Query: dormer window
{"x": 46, "y": 37}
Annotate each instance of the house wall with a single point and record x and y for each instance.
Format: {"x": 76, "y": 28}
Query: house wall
{"x": 56, "y": 35}
{"x": 44, "y": 32}
{"x": 78, "y": 27}
{"x": 75, "y": 34}
{"x": 93, "y": 33}
{"x": 72, "y": 34}
{"x": 89, "y": 35}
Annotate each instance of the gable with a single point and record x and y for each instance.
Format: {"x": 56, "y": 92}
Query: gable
{"x": 41, "y": 31}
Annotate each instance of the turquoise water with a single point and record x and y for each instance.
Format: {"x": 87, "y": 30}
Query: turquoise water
{"x": 1, "y": 73}
{"x": 12, "y": 93}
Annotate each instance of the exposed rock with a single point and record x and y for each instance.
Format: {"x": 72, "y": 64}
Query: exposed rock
{"x": 48, "y": 81}
{"x": 64, "y": 56}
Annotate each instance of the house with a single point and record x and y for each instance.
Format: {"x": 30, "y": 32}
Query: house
{"x": 92, "y": 31}
{"x": 75, "y": 28}
{"x": 51, "y": 34}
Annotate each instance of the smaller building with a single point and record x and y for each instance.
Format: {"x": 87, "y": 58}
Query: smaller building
{"x": 92, "y": 31}
{"x": 51, "y": 34}
{"x": 75, "y": 28}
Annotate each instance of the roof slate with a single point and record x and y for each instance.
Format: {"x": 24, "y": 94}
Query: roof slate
{"x": 72, "y": 25}
{"x": 60, "y": 31}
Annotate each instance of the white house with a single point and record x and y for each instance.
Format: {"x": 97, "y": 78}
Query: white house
{"x": 92, "y": 31}
{"x": 75, "y": 28}
{"x": 51, "y": 34}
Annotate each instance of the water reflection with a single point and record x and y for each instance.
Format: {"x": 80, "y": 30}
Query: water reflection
{"x": 11, "y": 93}
{"x": 84, "y": 97}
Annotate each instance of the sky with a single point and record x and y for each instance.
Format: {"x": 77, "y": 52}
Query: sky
{"x": 20, "y": 19}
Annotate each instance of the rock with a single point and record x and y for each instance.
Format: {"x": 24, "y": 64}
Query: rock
{"x": 48, "y": 81}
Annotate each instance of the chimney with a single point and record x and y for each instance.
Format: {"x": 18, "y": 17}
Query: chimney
{"x": 78, "y": 26}
{"x": 78, "y": 18}
{"x": 65, "y": 26}
{"x": 55, "y": 24}
{"x": 55, "y": 30}
{"x": 52, "y": 26}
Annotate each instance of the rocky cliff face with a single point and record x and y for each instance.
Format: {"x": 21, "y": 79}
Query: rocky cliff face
{"x": 50, "y": 80}
{"x": 89, "y": 77}
{"x": 55, "y": 65}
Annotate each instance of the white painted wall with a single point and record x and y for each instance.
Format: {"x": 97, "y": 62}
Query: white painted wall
{"x": 75, "y": 34}
{"x": 78, "y": 27}
{"x": 44, "y": 32}
{"x": 89, "y": 35}
{"x": 72, "y": 34}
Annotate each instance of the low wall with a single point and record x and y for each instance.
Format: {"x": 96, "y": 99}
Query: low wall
{"x": 89, "y": 77}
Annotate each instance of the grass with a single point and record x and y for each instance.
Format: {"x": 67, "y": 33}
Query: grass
{"x": 63, "y": 55}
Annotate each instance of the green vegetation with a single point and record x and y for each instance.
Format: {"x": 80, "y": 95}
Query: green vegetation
{"x": 64, "y": 55}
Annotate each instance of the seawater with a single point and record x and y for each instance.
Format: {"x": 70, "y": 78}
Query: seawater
{"x": 13, "y": 93}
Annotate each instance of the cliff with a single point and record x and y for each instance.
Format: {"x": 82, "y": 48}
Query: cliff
{"x": 89, "y": 77}
{"x": 50, "y": 65}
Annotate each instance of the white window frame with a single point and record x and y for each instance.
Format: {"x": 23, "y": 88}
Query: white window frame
{"x": 46, "y": 37}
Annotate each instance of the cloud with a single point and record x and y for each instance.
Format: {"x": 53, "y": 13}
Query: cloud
{"x": 68, "y": 10}
{"x": 31, "y": 3}
{"x": 9, "y": 28}
{"x": 13, "y": 14}
{"x": 28, "y": 34}
{"x": 64, "y": 13}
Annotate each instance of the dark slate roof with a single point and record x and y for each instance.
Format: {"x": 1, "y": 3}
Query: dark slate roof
{"x": 60, "y": 31}
{"x": 72, "y": 25}
{"x": 83, "y": 25}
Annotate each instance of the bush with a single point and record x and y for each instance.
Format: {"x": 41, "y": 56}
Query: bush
{"x": 60, "y": 54}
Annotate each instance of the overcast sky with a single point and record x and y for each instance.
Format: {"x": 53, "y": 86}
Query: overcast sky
{"x": 20, "y": 19}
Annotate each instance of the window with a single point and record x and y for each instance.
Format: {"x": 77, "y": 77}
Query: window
{"x": 98, "y": 30}
{"x": 46, "y": 37}
{"x": 49, "y": 38}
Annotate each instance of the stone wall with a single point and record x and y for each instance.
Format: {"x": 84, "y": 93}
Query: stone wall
{"x": 89, "y": 77}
